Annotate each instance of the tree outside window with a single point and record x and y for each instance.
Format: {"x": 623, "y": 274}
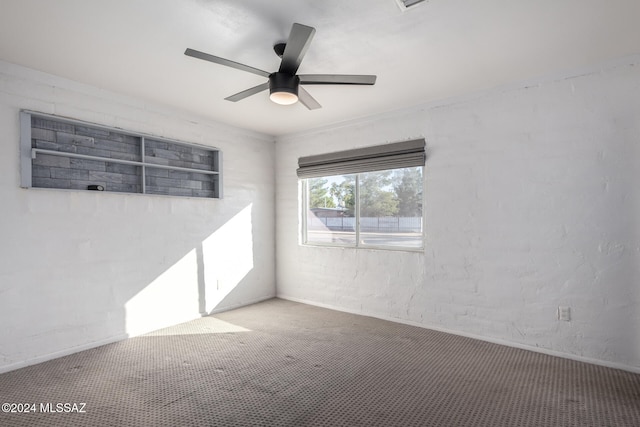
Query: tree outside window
{"x": 386, "y": 213}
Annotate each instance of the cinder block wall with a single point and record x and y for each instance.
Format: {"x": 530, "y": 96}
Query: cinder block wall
{"x": 82, "y": 268}
{"x": 531, "y": 203}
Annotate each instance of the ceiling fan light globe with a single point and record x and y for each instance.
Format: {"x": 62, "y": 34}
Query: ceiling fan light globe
{"x": 283, "y": 98}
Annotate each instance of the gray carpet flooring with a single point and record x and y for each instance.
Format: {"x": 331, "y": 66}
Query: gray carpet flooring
{"x": 280, "y": 363}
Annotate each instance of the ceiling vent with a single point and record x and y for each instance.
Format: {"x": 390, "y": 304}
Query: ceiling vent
{"x": 408, "y": 4}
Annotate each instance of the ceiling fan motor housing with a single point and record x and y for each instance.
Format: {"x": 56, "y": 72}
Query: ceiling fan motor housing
{"x": 283, "y": 82}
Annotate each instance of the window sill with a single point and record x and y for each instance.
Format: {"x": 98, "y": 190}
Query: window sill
{"x": 367, "y": 247}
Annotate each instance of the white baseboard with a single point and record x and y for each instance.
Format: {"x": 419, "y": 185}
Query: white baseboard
{"x": 61, "y": 353}
{"x": 110, "y": 340}
{"x": 242, "y": 304}
{"x": 546, "y": 351}
{"x": 76, "y": 349}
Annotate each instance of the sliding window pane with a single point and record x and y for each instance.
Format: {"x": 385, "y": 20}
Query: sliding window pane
{"x": 391, "y": 208}
{"x": 331, "y": 210}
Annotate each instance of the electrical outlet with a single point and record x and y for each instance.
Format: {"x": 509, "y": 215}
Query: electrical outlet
{"x": 564, "y": 313}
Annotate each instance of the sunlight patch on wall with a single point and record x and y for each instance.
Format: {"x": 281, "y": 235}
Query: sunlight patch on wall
{"x": 227, "y": 257}
{"x": 198, "y": 282}
{"x": 169, "y": 299}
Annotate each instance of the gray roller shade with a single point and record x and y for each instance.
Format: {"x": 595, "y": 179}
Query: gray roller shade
{"x": 397, "y": 155}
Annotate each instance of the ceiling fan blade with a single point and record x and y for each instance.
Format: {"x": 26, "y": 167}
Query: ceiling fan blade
{"x": 337, "y": 79}
{"x": 247, "y": 93}
{"x": 297, "y": 45}
{"x": 307, "y": 100}
{"x": 222, "y": 61}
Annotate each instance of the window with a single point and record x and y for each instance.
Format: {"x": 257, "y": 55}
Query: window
{"x": 376, "y": 202}
{"x": 69, "y": 154}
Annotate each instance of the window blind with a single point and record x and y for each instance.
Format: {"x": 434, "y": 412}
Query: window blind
{"x": 397, "y": 155}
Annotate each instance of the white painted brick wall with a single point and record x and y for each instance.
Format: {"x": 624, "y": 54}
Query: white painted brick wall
{"x": 532, "y": 202}
{"x": 81, "y": 268}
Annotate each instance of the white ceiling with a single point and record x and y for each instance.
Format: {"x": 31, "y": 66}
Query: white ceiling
{"x": 433, "y": 51}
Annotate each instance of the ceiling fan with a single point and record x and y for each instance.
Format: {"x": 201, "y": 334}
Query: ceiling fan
{"x": 284, "y": 84}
